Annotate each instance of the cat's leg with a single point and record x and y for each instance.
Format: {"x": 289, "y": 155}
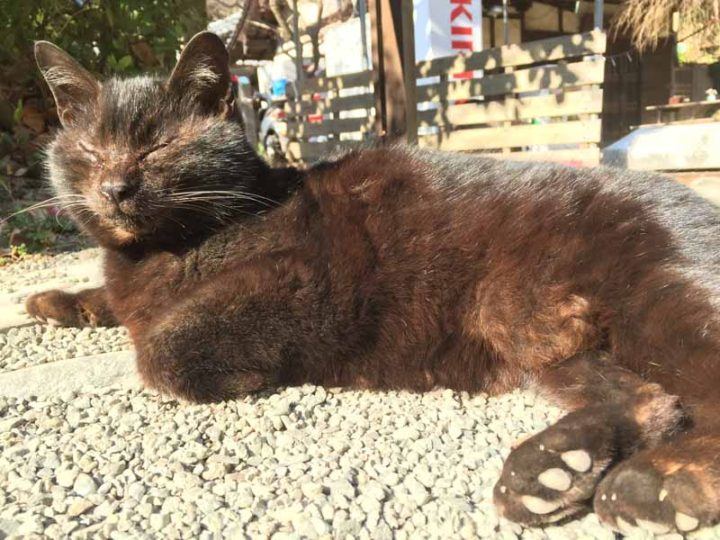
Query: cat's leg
{"x": 59, "y": 308}
{"x": 206, "y": 350}
{"x": 671, "y": 487}
{"x": 555, "y": 473}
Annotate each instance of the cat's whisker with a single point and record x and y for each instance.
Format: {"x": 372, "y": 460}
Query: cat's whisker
{"x": 211, "y": 207}
{"x": 188, "y": 206}
{"x": 222, "y": 194}
{"x": 178, "y": 222}
{"x": 82, "y": 210}
{"x": 220, "y": 212}
{"x": 47, "y": 203}
{"x": 211, "y": 201}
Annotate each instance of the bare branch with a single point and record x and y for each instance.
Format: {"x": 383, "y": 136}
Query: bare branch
{"x": 279, "y": 9}
{"x": 647, "y": 22}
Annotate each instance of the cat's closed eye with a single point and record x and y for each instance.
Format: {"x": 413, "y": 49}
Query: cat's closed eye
{"x": 153, "y": 149}
{"x": 89, "y": 151}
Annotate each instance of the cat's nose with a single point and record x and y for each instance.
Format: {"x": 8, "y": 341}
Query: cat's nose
{"x": 115, "y": 191}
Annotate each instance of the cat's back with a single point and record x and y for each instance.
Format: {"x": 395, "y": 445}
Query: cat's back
{"x": 486, "y": 179}
{"x": 503, "y": 203}
{"x": 456, "y": 176}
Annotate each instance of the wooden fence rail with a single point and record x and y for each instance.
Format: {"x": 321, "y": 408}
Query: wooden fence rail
{"x": 540, "y": 100}
{"x": 534, "y": 52}
{"x": 328, "y": 113}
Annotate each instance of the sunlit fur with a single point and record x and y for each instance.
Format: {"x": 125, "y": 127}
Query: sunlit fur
{"x": 190, "y": 171}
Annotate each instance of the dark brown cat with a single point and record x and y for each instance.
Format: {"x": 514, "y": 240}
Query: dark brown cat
{"x": 397, "y": 268}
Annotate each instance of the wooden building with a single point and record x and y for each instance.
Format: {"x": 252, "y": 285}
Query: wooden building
{"x": 552, "y": 80}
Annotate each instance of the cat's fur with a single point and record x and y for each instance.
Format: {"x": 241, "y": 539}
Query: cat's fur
{"x": 397, "y": 268}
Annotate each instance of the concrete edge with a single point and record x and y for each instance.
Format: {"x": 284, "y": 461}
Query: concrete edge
{"x": 72, "y": 375}
{"x": 15, "y": 321}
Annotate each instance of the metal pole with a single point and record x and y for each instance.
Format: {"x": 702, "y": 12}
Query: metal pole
{"x": 598, "y": 15}
{"x": 362, "y": 12}
{"x": 408, "y": 53}
{"x": 298, "y": 45}
{"x": 480, "y": 28}
{"x": 506, "y": 28}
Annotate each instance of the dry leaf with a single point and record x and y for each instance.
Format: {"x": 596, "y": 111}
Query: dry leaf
{"x": 33, "y": 118}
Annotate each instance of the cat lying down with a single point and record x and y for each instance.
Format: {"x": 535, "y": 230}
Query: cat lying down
{"x": 395, "y": 268}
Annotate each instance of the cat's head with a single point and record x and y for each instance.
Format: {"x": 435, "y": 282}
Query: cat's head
{"x": 147, "y": 159}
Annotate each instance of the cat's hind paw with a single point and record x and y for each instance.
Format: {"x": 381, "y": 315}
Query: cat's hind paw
{"x": 658, "y": 496}
{"x": 554, "y": 474}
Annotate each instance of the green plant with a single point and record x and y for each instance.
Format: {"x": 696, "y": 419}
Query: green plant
{"x": 107, "y": 36}
{"x": 18, "y": 252}
{"x": 17, "y": 113}
{"x": 15, "y": 253}
{"x": 33, "y": 231}
{"x": 123, "y": 65}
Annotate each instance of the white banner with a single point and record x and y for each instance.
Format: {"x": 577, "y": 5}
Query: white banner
{"x": 447, "y": 27}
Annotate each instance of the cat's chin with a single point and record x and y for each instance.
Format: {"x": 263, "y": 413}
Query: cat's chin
{"x": 119, "y": 232}
{"x": 125, "y": 226}
{"x": 124, "y": 236}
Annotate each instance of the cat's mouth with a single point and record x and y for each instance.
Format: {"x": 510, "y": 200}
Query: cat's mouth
{"x": 121, "y": 227}
{"x": 127, "y": 223}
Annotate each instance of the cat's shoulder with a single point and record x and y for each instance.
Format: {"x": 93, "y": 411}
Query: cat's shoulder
{"x": 365, "y": 174}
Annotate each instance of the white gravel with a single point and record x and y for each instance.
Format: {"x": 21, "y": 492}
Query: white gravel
{"x": 305, "y": 462}
{"x": 38, "y": 344}
{"x": 31, "y": 345}
{"x": 35, "y": 270}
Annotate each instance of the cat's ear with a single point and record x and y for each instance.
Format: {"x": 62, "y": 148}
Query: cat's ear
{"x": 73, "y": 87}
{"x": 202, "y": 72}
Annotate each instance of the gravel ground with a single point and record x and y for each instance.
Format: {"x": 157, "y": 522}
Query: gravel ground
{"x": 305, "y": 462}
{"x": 37, "y": 344}
{"x": 36, "y": 269}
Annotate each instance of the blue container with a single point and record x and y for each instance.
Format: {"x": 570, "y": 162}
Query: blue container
{"x": 278, "y": 87}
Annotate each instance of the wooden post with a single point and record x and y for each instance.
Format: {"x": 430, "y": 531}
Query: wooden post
{"x": 408, "y": 55}
{"x": 387, "y": 67}
{"x": 378, "y": 66}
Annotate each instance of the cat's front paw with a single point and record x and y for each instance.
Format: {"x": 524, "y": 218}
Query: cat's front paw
{"x": 554, "y": 474}
{"x": 659, "y": 495}
{"x": 56, "y": 308}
